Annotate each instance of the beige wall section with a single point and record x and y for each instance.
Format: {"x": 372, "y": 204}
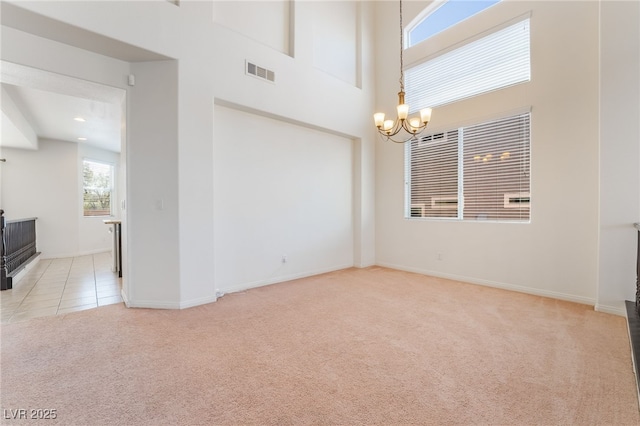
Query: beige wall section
{"x": 556, "y": 254}
{"x": 619, "y": 152}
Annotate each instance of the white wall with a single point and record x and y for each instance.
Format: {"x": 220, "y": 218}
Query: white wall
{"x": 268, "y": 23}
{"x": 44, "y": 184}
{"x": 560, "y": 253}
{"x": 69, "y": 65}
{"x": 210, "y": 59}
{"x": 335, "y": 39}
{"x": 47, "y": 184}
{"x": 555, "y": 254}
{"x": 302, "y": 95}
{"x": 619, "y": 152}
{"x": 280, "y": 190}
{"x": 152, "y": 186}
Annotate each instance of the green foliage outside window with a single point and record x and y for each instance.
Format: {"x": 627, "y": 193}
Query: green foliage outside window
{"x": 97, "y": 188}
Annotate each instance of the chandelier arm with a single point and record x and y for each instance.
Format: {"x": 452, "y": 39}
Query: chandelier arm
{"x": 400, "y": 125}
{"x": 410, "y": 129}
{"x": 407, "y": 127}
{"x": 397, "y": 126}
{"x": 401, "y": 141}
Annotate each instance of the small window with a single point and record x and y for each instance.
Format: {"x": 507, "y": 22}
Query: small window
{"x": 495, "y": 61}
{"x": 479, "y": 172}
{"x": 97, "y": 188}
{"x": 443, "y": 15}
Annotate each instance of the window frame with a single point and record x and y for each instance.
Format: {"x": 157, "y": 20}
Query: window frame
{"x": 112, "y": 188}
{"x": 410, "y": 205}
{"x": 429, "y": 78}
{"x": 426, "y": 13}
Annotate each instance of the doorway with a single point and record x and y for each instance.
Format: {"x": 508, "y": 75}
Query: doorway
{"x": 53, "y": 123}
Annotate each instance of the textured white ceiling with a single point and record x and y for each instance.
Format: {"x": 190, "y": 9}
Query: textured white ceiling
{"x": 51, "y": 116}
{"x": 49, "y": 103}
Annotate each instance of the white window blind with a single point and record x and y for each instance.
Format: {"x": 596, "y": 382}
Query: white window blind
{"x": 479, "y": 172}
{"x": 432, "y": 175}
{"x": 495, "y": 61}
{"x": 497, "y": 170}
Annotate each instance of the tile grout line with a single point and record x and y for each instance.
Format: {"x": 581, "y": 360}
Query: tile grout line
{"x": 95, "y": 279}
{"x": 66, "y": 269}
{"x": 65, "y": 285}
{"x": 29, "y": 292}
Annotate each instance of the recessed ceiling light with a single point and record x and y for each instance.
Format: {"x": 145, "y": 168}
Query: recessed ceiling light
{"x": 80, "y": 119}
{"x": 82, "y": 139}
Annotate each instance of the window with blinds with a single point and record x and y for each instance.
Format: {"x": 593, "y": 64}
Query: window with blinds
{"x": 432, "y": 170}
{"x": 497, "y": 60}
{"x": 479, "y": 172}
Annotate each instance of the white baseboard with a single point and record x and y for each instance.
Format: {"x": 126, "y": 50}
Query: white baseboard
{"x": 198, "y": 302}
{"x": 611, "y": 310}
{"x": 76, "y": 254}
{"x": 151, "y": 304}
{"x": 279, "y": 279}
{"x": 125, "y": 299}
{"x": 16, "y": 279}
{"x": 495, "y": 284}
{"x": 166, "y": 305}
{"x": 247, "y": 286}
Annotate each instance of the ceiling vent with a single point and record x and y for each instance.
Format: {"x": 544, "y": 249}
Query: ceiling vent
{"x": 260, "y": 72}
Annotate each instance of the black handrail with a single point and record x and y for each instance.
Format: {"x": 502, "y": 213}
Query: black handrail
{"x": 637, "y": 226}
{"x": 18, "y": 247}
{"x": 4, "y": 285}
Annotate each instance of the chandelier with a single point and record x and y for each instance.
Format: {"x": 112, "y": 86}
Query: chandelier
{"x": 403, "y": 127}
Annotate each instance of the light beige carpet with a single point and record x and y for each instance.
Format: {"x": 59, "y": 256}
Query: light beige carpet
{"x": 353, "y": 347}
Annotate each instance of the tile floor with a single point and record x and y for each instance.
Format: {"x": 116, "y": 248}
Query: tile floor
{"x": 59, "y": 286}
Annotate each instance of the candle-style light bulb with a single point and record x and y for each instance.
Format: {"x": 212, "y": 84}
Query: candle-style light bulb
{"x": 378, "y": 117}
{"x": 425, "y": 115}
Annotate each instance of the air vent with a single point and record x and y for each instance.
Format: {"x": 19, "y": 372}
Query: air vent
{"x": 260, "y": 72}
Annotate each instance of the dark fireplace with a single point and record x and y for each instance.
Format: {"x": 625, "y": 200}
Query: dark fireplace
{"x": 633, "y": 316}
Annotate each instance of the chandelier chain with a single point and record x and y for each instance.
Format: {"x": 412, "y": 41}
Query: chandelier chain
{"x": 401, "y": 51}
{"x": 410, "y": 127}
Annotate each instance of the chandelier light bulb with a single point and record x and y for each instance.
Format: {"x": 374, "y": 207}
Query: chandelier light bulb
{"x": 378, "y": 117}
{"x": 425, "y": 115}
{"x": 403, "y": 111}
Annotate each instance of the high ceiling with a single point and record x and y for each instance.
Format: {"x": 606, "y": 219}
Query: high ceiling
{"x": 27, "y": 111}
{"x": 39, "y": 104}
